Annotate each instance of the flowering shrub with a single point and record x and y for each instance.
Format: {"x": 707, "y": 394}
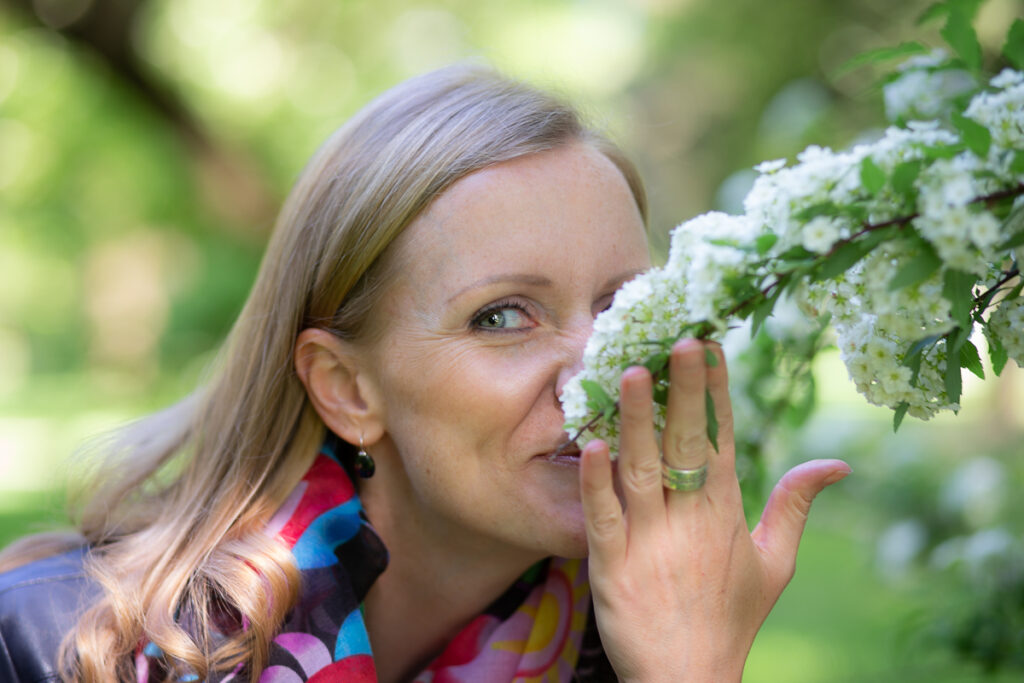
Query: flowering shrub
{"x": 905, "y": 244}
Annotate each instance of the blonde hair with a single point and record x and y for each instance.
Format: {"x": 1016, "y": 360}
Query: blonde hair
{"x": 173, "y": 551}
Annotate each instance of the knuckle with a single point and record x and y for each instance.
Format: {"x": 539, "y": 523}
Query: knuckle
{"x": 642, "y": 476}
{"x": 605, "y": 524}
{"x": 690, "y": 442}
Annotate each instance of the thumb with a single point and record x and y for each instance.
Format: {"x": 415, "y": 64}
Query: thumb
{"x": 778, "y": 533}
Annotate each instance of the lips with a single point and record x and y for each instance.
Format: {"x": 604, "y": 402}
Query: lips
{"x": 564, "y": 453}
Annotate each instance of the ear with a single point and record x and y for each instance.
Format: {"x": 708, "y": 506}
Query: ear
{"x": 339, "y": 386}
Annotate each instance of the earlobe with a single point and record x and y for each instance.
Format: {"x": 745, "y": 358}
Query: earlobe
{"x": 338, "y": 386}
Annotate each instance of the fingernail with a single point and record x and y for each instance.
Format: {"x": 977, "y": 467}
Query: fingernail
{"x": 685, "y": 344}
{"x": 838, "y": 475}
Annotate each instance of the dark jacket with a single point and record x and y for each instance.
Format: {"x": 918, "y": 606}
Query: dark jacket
{"x": 39, "y": 603}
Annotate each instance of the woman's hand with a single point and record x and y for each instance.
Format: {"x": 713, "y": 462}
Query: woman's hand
{"x": 680, "y": 586}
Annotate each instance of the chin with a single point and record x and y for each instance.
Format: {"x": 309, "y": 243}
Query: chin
{"x": 571, "y": 541}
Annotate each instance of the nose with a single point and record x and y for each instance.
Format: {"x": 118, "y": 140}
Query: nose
{"x": 575, "y": 339}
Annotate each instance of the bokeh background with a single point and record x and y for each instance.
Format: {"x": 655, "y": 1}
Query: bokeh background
{"x": 145, "y": 146}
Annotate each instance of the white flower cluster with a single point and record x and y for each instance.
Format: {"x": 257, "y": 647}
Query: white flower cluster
{"x": 1007, "y": 325}
{"x": 654, "y": 307}
{"x": 924, "y": 87}
{"x": 908, "y": 202}
{"x": 1002, "y": 111}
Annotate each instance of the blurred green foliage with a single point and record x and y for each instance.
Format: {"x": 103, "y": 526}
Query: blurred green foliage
{"x": 145, "y": 146}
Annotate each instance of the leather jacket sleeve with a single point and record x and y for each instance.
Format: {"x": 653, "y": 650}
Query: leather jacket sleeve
{"x": 39, "y": 604}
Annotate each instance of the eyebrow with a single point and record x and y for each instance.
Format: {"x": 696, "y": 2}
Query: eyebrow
{"x": 514, "y": 278}
{"x": 533, "y": 281}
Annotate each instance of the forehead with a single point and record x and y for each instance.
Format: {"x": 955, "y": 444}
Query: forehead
{"x": 566, "y": 212}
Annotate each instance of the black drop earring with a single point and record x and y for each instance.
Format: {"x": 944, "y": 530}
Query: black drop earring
{"x": 365, "y": 467}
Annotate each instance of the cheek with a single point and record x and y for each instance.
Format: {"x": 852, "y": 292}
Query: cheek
{"x": 483, "y": 395}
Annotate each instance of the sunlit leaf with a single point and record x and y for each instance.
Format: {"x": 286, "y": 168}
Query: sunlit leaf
{"x": 960, "y": 35}
{"x": 1013, "y": 50}
{"x": 971, "y": 359}
{"x": 882, "y": 54}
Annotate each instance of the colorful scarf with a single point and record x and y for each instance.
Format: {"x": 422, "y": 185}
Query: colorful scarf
{"x": 535, "y": 632}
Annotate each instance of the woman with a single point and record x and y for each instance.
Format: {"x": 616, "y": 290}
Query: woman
{"x": 427, "y": 292}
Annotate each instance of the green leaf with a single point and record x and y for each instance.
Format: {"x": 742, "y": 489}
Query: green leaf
{"x": 968, "y": 7}
{"x": 912, "y": 358}
{"x": 905, "y": 175}
{"x": 598, "y": 399}
{"x": 710, "y": 359}
{"x": 914, "y": 363}
{"x": 796, "y": 253}
{"x": 976, "y": 136}
{"x": 957, "y": 337}
{"x": 918, "y": 347}
{"x": 940, "y": 151}
{"x": 814, "y": 210}
{"x": 996, "y": 353}
{"x": 871, "y": 176}
{"x": 1014, "y": 48}
{"x": 657, "y": 362}
{"x": 971, "y": 359}
{"x": 918, "y": 269}
{"x": 1017, "y": 165}
{"x": 1013, "y": 224}
{"x": 882, "y": 54}
{"x": 841, "y": 260}
{"x": 934, "y": 11}
{"x": 960, "y": 35}
{"x": 1013, "y": 241}
{"x": 712, "y": 418}
{"x": 958, "y": 290}
{"x": 762, "y": 311}
{"x": 953, "y": 380}
{"x": 765, "y": 242}
{"x": 898, "y": 415}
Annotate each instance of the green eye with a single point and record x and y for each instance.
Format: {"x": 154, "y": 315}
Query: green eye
{"x": 502, "y": 318}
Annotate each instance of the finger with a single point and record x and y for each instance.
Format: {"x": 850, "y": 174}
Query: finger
{"x": 639, "y": 462}
{"x": 602, "y": 512}
{"x": 778, "y": 533}
{"x": 684, "y": 442}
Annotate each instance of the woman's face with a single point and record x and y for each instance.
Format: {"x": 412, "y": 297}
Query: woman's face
{"x": 500, "y": 280}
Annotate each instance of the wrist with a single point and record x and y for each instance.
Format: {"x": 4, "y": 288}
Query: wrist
{"x": 698, "y": 669}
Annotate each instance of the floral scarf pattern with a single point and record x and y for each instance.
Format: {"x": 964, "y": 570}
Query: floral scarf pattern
{"x": 534, "y": 633}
